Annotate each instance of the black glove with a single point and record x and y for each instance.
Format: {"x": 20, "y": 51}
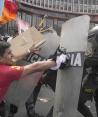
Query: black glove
{"x": 66, "y": 64}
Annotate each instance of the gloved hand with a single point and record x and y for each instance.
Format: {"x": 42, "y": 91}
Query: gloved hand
{"x": 66, "y": 63}
{"x": 61, "y": 62}
{"x": 59, "y": 51}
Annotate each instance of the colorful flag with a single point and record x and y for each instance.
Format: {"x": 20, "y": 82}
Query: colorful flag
{"x": 22, "y": 25}
{"x": 9, "y": 11}
{"x": 1, "y": 6}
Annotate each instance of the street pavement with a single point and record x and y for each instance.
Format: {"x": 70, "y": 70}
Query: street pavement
{"x": 44, "y": 103}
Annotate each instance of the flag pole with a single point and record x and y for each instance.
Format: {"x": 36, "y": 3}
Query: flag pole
{"x": 42, "y": 21}
{"x": 50, "y": 28}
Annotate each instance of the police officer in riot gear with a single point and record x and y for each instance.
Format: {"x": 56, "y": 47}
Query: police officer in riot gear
{"x": 89, "y": 86}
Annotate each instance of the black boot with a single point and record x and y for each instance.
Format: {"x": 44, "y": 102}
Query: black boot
{"x": 11, "y": 115}
{"x": 2, "y": 109}
{"x": 30, "y": 109}
{"x": 13, "y": 110}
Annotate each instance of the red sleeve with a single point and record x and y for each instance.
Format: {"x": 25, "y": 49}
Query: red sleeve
{"x": 15, "y": 72}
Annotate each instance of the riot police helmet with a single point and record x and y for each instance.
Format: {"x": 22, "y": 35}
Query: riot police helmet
{"x": 93, "y": 37}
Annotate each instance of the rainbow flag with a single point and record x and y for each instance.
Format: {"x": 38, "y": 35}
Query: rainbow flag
{"x": 9, "y": 11}
{"x": 1, "y": 6}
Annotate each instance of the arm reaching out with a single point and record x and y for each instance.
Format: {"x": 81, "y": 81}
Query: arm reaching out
{"x": 38, "y": 66}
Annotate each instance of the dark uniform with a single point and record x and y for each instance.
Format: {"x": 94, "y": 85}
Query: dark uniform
{"x": 48, "y": 78}
{"x": 89, "y": 87}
